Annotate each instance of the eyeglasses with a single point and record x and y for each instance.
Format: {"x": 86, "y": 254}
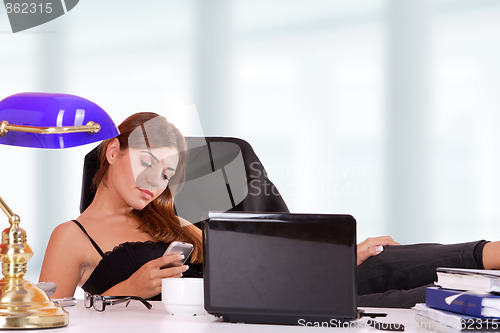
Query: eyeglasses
{"x": 99, "y": 302}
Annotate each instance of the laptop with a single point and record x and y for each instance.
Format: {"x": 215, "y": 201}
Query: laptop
{"x": 280, "y": 268}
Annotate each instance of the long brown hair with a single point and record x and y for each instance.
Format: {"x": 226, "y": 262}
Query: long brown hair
{"x": 158, "y": 218}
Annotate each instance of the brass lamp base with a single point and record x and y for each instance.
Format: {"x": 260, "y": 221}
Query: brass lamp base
{"x": 22, "y": 304}
{"x": 25, "y": 306}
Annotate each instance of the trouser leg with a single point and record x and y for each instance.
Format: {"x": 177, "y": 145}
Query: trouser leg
{"x": 395, "y": 298}
{"x": 398, "y": 269}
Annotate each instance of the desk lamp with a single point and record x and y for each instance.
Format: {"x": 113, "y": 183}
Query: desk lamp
{"x": 43, "y": 121}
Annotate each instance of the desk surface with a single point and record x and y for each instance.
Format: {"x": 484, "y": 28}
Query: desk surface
{"x": 136, "y": 318}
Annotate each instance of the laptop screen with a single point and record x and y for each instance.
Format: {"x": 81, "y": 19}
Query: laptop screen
{"x": 281, "y": 265}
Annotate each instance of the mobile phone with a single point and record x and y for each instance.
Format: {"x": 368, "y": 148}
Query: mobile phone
{"x": 180, "y": 248}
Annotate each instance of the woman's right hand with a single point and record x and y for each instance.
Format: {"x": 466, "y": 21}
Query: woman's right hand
{"x": 372, "y": 246}
{"x": 146, "y": 281}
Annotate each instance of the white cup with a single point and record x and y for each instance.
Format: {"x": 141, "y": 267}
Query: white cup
{"x": 183, "y": 296}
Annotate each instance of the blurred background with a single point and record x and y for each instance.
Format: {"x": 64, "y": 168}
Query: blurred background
{"x": 384, "y": 109}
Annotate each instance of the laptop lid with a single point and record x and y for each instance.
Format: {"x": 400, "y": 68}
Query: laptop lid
{"x": 280, "y": 268}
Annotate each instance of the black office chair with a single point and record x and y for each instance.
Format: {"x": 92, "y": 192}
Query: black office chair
{"x": 222, "y": 174}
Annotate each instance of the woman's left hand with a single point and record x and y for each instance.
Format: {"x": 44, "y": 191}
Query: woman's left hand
{"x": 373, "y": 246}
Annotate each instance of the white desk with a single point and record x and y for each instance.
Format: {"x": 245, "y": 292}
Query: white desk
{"x": 137, "y": 318}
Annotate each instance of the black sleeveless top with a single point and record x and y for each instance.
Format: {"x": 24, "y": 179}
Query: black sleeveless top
{"x": 120, "y": 263}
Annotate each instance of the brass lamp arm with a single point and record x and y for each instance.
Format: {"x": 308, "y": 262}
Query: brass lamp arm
{"x": 10, "y": 214}
{"x": 90, "y": 127}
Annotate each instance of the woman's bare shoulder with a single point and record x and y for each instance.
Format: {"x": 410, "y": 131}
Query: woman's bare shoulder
{"x": 67, "y": 231}
{"x": 68, "y": 227}
{"x": 66, "y": 247}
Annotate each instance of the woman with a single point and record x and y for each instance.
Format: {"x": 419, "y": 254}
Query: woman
{"x": 116, "y": 245}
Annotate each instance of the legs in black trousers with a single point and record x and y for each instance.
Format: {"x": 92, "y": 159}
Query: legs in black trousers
{"x": 399, "y": 275}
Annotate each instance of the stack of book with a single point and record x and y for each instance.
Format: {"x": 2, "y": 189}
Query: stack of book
{"x": 463, "y": 300}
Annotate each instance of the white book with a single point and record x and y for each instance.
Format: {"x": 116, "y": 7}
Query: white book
{"x": 444, "y": 321}
{"x": 476, "y": 280}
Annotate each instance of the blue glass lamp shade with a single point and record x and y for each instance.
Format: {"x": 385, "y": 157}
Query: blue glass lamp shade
{"x": 53, "y": 110}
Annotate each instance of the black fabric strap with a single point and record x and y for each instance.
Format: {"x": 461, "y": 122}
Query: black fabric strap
{"x": 90, "y": 238}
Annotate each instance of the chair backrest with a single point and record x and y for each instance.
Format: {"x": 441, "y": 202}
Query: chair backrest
{"x": 222, "y": 174}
